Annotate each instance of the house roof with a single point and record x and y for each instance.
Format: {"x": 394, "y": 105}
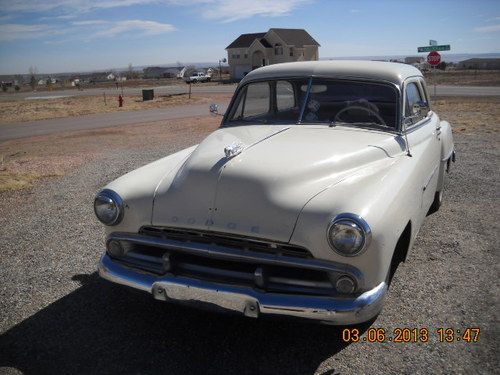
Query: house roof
{"x": 293, "y": 37}
{"x": 265, "y": 43}
{"x": 373, "y": 70}
{"x": 296, "y": 37}
{"x": 245, "y": 40}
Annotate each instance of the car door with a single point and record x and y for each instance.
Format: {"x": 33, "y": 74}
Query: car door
{"x": 423, "y": 138}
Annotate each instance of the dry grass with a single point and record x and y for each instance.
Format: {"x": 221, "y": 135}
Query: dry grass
{"x": 464, "y": 77}
{"x": 43, "y": 109}
{"x": 25, "y": 161}
{"x": 469, "y": 114}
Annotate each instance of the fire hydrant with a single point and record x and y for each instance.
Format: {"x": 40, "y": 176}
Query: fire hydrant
{"x": 120, "y": 100}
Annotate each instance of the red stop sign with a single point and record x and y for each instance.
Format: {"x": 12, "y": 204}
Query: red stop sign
{"x": 433, "y": 58}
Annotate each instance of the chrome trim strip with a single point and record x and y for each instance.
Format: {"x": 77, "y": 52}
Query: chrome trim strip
{"x": 418, "y": 125}
{"x": 245, "y": 300}
{"x": 222, "y": 252}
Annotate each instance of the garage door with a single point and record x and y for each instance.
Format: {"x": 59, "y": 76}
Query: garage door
{"x": 241, "y": 70}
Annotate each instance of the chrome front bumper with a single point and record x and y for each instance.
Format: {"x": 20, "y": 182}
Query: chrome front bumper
{"x": 246, "y": 300}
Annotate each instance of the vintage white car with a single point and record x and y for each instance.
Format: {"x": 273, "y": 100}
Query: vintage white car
{"x": 301, "y": 204}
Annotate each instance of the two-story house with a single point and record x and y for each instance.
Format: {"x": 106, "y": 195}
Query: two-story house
{"x": 251, "y": 51}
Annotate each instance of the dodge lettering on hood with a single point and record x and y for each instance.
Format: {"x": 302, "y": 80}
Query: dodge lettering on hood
{"x": 301, "y": 204}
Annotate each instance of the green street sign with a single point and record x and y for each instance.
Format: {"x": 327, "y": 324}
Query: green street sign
{"x": 443, "y": 47}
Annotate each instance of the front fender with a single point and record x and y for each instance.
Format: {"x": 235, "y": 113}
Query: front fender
{"x": 137, "y": 189}
{"x": 386, "y": 195}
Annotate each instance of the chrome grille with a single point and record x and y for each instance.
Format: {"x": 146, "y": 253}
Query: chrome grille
{"x": 271, "y": 267}
{"x": 240, "y": 243}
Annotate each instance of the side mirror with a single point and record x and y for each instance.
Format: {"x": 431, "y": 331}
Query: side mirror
{"x": 420, "y": 106}
{"x": 214, "y": 109}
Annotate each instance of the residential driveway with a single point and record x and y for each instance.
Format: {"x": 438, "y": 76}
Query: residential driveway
{"x": 58, "y": 317}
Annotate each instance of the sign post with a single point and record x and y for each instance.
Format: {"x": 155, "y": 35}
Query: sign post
{"x": 434, "y": 58}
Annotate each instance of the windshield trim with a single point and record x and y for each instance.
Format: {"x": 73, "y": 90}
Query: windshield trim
{"x": 398, "y": 128}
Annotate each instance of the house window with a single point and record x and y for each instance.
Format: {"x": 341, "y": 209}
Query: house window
{"x": 291, "y": 52}
{"x": 278, "y": 49}
{"x": 246, "y": 55}
{"x": 237, "y": 56}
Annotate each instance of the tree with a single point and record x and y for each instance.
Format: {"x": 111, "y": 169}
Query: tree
{"x": 442, "y": 65}
{"x": 19, "y": 79}
{"x": 32, "y": 73}
{"x": 130, "y": 71}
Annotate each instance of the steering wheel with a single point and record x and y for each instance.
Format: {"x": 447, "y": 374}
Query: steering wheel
{"x": 358, "y": 107}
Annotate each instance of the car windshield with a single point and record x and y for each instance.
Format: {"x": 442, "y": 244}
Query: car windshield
{"x": 315, "y": 101}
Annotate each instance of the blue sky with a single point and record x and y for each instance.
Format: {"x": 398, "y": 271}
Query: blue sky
{"x": 78, "y": 35}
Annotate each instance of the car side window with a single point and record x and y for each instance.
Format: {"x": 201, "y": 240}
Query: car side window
{"x": 257, "y": 100}
{"x": 285, "y": 96}
{"x": 413, "y": 97}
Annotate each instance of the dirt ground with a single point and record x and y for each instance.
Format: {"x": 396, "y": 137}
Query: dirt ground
{"x": 24, "y": 161}
{"x": 57, "y": 316}
{"x": 463, "y": 77}
{"x": 41, "y": 109}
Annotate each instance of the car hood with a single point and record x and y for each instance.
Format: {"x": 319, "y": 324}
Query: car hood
{"x": 261, "y": 191}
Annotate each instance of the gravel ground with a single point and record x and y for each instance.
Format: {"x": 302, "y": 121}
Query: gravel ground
{"x": 58, "y": 316}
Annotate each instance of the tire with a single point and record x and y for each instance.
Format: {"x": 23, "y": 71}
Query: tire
{"x": 436, "y": 204}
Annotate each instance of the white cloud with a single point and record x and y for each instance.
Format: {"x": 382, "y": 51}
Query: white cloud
{"x": 9, "y": 6}
{"x": 229, "y": 10}
{"x": 144, "y": 27}
{"x": 221, "y": 10}
{"x": 89, "y": 23}
{"x": 487, "y": 29}
{"x": 14, "y": 31}
{"x": 93, "y": 28}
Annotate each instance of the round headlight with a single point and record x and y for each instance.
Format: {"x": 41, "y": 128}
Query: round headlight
{"x": 348, "y": 234}
{"x": 108, "y": 207}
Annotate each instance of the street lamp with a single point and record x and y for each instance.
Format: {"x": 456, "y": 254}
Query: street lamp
{"x": 223, "y": 60}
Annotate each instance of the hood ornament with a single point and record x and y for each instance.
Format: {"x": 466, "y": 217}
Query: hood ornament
{"x": 233, "y": 149}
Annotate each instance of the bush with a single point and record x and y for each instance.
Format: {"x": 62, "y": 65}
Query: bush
{"x": 17, "y": 88}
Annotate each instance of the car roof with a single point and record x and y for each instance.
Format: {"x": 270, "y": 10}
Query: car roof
{"x": 372, "y": 70}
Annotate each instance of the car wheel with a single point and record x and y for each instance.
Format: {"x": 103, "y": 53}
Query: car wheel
{"x": 436, "y": 204}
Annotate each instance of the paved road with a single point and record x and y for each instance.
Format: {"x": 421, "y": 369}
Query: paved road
{"x": 464, "y": 90}
{"x": 159, "y": 90}
{"x": 45, "y": 127}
